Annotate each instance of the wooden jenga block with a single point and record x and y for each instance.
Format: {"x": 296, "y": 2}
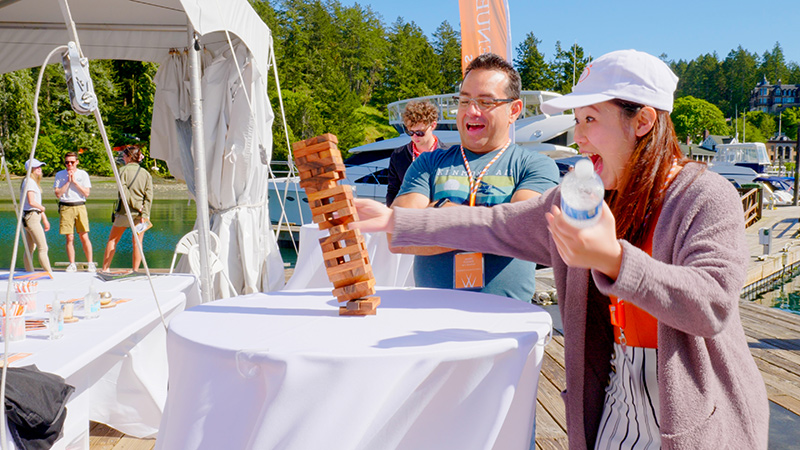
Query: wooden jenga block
{"x": 330, "y": 205}
{"x": 336, "y": 190}
{"x": 322, "y": 147}
{"x": 354, "y": 291}
{"x": 310, "y": 188}
{"x": 335, "y": 218}
{"x": 347, "y": 266}
{"x": 339, "y": 240}
{"x": 361, "y": 307}
{"x": 342, "y": 255}
{"x": 315, "y": 140}
{"x": 320, "y": 166}
{"x": 356, "y": 275}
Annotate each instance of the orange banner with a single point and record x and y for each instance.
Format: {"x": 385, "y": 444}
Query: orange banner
{"x": 485, "y": 28}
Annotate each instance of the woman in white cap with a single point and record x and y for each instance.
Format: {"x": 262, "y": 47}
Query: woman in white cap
{"x": 655, "y": 352}
{"x": 34, "y": 219}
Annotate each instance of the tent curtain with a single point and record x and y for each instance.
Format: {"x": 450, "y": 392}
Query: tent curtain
{"x": 238, "y": 143}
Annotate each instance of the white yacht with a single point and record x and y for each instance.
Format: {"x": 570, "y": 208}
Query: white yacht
{"x": 740, "y": 163}
{"x": 367, "y": 167}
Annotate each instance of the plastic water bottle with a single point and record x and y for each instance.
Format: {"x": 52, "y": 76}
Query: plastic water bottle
{"x": 56, "y": 323}
{"x": 582, "y": 195}
{"x": 91, "y": 303}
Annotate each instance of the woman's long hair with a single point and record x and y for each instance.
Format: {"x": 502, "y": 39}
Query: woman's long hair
{"x": 37, "y": 177}
{"x": 640, "y": 192}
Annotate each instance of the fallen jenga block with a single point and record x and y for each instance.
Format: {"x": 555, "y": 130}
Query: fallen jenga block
{"x": 360, "y": 307}
{"x": 346, "y": 258}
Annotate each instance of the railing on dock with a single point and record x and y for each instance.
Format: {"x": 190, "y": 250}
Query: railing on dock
{"x": 751, "y": 203}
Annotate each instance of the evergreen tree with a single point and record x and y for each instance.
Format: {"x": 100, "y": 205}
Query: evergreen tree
{"x": 447, "y": 46}
{"x": 363, "y": 48}
{"x": 16, "y": 117}
{"x": 703, "y": 78}
{"x": 408, "y": 70}
{"x": 773, "y": 66}
{"x": 530, "y": 64}
{"x": 739, "y": 70}
{"x": 567, "y": 66}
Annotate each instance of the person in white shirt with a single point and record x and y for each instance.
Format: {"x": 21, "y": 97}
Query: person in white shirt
{"x": 72, "y": 187}
{"x": 34, "y": 219}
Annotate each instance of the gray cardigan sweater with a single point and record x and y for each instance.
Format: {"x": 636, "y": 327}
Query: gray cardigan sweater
{"x": 711, "y": 392}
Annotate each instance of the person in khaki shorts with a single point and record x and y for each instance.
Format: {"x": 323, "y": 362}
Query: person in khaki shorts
{"x": 138, "y": 185}
{"x": 72, "y": 187}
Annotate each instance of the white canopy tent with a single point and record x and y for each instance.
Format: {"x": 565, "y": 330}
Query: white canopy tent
{"x": 233, "y": 119}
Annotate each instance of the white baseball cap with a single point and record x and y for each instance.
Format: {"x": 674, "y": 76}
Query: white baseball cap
{"x": 624, "y": 74}
{"x": 36, "y": 163}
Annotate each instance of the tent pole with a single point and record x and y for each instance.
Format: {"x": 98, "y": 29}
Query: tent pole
{"x": 200, "y": 179}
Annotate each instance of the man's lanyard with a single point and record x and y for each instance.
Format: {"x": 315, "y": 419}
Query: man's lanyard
{"x": 416, "y": 152}
{"x": 475, "y": 184}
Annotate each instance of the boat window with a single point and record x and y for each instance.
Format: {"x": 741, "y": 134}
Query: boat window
{"x": 367, "y": 157}
{"x": 379, "y": 177}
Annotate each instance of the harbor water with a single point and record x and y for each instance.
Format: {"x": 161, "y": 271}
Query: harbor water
{"x": 171, "y": 220}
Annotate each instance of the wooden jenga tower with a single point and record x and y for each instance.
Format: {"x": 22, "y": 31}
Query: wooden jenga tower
{"x": 346, "y": 258}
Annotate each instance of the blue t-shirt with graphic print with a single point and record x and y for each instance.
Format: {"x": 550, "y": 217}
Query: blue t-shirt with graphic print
{"x": 441, "y": 174}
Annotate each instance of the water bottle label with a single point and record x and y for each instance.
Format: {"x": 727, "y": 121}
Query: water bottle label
{"x": 580, "y": 214}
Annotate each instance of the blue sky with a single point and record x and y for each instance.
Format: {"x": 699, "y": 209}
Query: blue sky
{"x": 680, "y": 28}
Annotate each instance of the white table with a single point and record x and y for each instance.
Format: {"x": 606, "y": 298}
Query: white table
{"x": 388, "y": 268}
{"x": 434, "y": 369}
{"x": 116, "y": 362}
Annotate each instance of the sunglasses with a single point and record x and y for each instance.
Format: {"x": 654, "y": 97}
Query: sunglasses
{"x": 416, "y": 133}
{"x": 69, "y": 163}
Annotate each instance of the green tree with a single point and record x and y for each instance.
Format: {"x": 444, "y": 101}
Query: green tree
{"x": 408, "y": 71}
{"x": 794, "y": 73}
{"x": 773, "y": 66}
{"x": 790, "y": 118}
{"x": 16, "y": 117}
{"x": 567, "y": 66}
{"x": 747, "y": 131}
{"x": 765, "y": 123}
{"x": 447, "y": 46}
{"x": 693, "y": 116}
{"x": 739, "y": 70}
{"x": 530, "y": 64}
{"x": 703, "y": 78}
{"x": 362, "y": 48}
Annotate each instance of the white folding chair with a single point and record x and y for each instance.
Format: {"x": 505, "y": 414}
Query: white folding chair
{"x": 216, "y": 265}
{"x": 188, "y": 241}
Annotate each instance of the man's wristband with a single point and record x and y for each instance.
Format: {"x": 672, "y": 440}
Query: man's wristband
{"x": 441, "y": 202}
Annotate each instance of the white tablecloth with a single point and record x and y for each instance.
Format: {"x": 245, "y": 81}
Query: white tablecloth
{"x": 434, "y": 369}
{"x": 388, "y": 268}
{"x": 117, "y": 362}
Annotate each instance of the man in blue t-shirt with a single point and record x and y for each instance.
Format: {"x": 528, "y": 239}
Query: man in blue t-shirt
{"x": 486, "y": 170}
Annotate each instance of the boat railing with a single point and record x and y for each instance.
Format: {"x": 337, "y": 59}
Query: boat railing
{"x": 448, "y": 106}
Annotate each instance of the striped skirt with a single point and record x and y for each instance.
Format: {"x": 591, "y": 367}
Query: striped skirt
{"x": 631, "y": 411}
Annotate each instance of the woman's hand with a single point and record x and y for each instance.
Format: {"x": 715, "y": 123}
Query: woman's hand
{"x": 372, "y": 216}
{"x": 45, "y": 223}
{"x": 595, "y": 247}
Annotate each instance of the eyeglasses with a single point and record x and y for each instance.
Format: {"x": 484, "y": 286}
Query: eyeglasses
{"x": 481, "y": 103}
{"x": 69, "y": 163}
{"x": 416, "y": 133}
